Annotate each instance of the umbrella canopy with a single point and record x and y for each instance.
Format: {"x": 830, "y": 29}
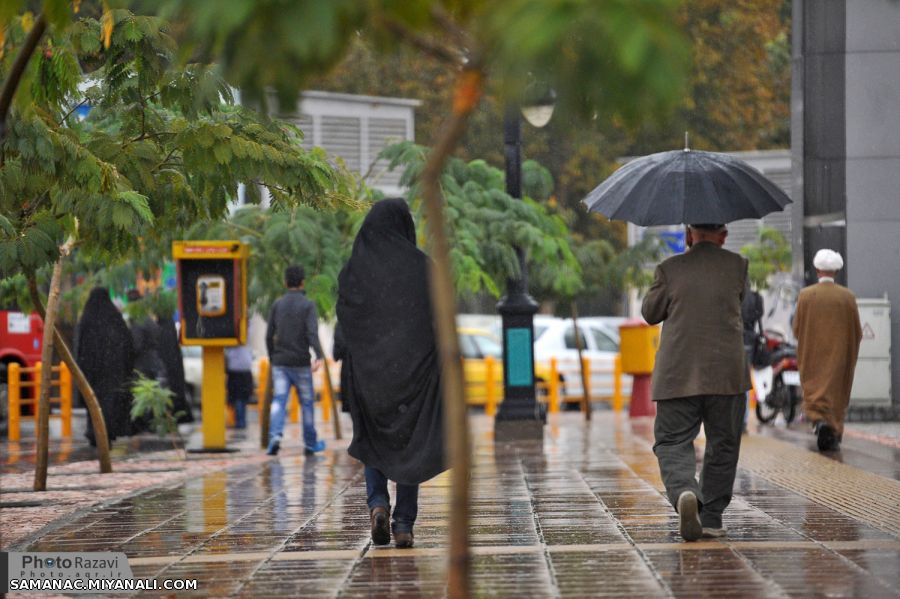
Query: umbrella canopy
{"x": 686, "y": 186}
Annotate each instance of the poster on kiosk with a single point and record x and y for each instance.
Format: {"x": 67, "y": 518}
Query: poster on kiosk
{"x": 212, "y": 304}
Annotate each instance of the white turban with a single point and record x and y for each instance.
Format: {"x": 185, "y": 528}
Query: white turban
{"x": 828, "y": 260}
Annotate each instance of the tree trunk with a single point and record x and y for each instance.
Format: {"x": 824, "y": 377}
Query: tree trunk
{"x": 443, "y": 298}
{"x": 42, "y": 421}
{"x": 18, "y": 69}
{"x": 585, "y": 375}
{"x": 334, "y": 411}
{"x": 87, "y": 393}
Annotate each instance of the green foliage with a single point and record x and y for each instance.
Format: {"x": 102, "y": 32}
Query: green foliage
{"x": 163, "y": 146}
{"x": 162, "y": 303}
{"x": 576, "y": 46}
{"x": 318, "y": 240}
{"x": 485, "y": 223}
{"x": 151, "y": 402}
{"x": 579, "y": 47}
{"x": 770, "y": 254}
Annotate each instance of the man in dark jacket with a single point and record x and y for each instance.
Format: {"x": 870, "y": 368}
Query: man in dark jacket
{"x": 700, "y": 376}
{"x": 293, "y": 329}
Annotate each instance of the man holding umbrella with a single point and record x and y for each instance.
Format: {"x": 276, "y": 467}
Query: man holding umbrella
{"x": 700, "y": 375}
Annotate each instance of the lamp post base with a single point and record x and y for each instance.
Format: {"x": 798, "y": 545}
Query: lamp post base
{"x": 506, "y": 431}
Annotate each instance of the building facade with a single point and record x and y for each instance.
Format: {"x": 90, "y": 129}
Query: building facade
{"x": 845, "y": 139}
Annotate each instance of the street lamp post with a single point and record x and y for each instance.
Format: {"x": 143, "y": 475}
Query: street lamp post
{"x": 519, "y": 416}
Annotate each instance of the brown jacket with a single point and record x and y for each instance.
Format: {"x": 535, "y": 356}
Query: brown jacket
{"x": 701, "y": 352}
{"x": 828, "y": 335}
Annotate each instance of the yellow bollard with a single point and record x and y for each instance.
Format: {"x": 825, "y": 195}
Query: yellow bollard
{"x": 65, "y": 399}
{"x": 36, "y": 385}
{"x": 490, "y": 385}
{"x": 15, "y": 394}
{"x": 294, "y": 406}
{"x": 553, "y": 385}
{"x": 326, "y": 396}
{"x": 618, "y": 402}
{"x": 263, "y": 382}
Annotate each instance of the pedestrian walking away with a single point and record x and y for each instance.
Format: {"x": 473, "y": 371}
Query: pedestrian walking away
{"x": 392, "y": 367}
{"x": 292, "y": 331}
{"x": 700, "y": 376}
{"x": 105, "y": 354}
{"x": 828, "y": 333}
{"x": 239, "y": 376}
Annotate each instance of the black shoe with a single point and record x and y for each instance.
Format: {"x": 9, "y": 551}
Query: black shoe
{"x": 825, "y": 438}
{"x": 274, "y": 446}
{"x": 381, "y": 534}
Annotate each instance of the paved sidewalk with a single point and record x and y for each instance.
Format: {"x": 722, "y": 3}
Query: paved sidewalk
{"x": 582, "y": 516}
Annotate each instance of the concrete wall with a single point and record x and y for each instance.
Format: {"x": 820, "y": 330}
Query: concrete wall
{"x": 872, "y": 100}
{"x": 846, "y": 145}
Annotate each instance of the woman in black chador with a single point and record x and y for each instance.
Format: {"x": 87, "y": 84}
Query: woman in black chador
{"x": 170, "y": 354}
{"x": 393, "y": 368}
{"x": 106, "y": 357}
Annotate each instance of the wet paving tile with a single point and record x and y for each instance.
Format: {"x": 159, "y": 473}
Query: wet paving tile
{"x": 583, "y": 515}
{"x": 604, "y": 574}
{"x": 713, "y": 573}
{"x": 818, "y": 572}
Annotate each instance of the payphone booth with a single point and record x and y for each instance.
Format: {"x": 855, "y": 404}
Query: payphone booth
{"x": 212, "y": 307}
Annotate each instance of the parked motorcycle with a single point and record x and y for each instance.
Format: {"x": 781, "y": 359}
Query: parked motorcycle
{"x": 784, "y": 393}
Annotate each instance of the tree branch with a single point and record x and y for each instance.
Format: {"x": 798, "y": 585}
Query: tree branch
{"x": 443, "y": 18}
{"x": 426, "y": 45}
{"x": 18, "y": 69}
{"x": 74, "y": 108}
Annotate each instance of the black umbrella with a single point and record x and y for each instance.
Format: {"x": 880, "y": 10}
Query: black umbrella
{"x": 686, "y": 186}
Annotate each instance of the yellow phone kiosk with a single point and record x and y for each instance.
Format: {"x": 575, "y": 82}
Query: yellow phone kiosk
{"x": 212, "y": 304}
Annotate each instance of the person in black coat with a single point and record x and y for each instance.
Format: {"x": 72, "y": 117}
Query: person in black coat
{"x": 392, "y": 366}
{"x": 104, "y": 353}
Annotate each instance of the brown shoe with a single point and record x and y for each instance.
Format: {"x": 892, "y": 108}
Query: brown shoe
{"x": 380, "y": 517}
{"x": 403, "y": 539}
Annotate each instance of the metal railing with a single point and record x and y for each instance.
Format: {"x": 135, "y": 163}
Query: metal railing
{"x": 555, "y": 390}
{"x": 17, "y": 381}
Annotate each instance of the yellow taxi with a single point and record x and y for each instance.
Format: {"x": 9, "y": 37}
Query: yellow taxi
{"x": 478, "y": 344}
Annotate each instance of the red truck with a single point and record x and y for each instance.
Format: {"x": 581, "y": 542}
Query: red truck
{"x": 21, "y": 336}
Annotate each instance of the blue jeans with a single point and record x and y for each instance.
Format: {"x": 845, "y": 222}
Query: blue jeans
{"x": 283, "y": 378}
{"x": 404, "y": 514}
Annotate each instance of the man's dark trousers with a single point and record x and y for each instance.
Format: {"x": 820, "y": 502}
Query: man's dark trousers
{"x": 677, "y": 425}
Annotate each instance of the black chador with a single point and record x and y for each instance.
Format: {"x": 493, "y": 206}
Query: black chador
{"x": 104, "y": 352}
{"x": 386, "y": 318}
{"x": 170, "y": 354}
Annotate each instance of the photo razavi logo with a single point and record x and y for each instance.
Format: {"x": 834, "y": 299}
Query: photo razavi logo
{"x": 79, "y": 572}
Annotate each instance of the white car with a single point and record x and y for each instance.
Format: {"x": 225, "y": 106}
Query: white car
{"x": 555, "y": 338}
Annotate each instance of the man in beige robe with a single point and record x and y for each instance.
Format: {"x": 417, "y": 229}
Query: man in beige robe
{"x": 828, "y": 333}
{"x": 700, "y": 376}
